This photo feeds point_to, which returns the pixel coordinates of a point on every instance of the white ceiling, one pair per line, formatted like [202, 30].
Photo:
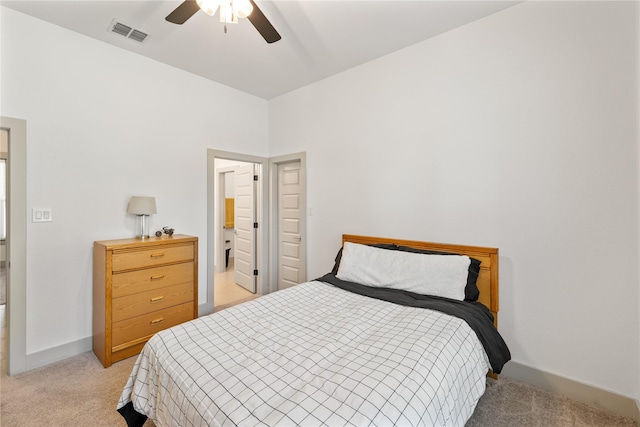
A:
[319, 37]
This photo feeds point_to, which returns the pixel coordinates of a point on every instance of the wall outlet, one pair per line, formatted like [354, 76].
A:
[42, 215]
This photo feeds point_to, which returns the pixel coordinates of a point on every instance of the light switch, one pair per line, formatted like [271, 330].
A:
[42, 215]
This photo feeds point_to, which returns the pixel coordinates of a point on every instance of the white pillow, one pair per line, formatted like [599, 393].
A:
[426, 274]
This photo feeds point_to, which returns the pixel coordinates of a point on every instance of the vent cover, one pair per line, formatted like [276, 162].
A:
[127, 31]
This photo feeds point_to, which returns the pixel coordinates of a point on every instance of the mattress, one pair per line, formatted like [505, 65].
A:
[310, 355]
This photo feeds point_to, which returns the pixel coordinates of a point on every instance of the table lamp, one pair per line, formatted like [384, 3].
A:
[143, 207]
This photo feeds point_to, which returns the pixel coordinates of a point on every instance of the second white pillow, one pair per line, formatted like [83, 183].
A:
[426, 274]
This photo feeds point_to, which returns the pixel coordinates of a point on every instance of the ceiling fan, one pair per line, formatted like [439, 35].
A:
[230, 11]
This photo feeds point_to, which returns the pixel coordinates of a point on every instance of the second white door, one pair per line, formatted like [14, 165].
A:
[245, 232]
[291, 266]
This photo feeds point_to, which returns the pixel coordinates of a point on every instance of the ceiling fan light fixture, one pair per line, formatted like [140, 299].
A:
[227, 14]
[208, 6]
[230, 11]
[242, 8]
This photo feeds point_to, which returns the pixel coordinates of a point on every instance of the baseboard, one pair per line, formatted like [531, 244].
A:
[55, 354]
[594, 396]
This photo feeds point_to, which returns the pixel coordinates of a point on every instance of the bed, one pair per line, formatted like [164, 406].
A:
[362, 345]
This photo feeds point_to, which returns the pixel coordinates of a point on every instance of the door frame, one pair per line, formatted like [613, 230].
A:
[16, 245]
[215, 248]
[274, 243]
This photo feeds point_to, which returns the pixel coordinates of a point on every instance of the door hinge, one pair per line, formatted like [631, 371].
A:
[255, 177]
[255, 225]
[255, 272]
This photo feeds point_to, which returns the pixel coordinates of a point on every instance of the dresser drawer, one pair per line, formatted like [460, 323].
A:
[133, 282]
[153, 300]
[142, 327]
[128, 260]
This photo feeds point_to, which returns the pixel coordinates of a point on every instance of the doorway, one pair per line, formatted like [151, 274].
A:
[267, 240]
[236, 211]
[221, 167]
[14, 331]
[4, 151]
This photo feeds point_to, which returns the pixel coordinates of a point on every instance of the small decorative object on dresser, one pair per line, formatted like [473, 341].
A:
[166, 230]
[141, 287]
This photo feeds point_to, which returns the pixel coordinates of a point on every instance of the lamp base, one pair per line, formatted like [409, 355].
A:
[144, 232]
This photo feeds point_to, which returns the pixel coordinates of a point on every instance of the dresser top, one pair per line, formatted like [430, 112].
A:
[151, 241]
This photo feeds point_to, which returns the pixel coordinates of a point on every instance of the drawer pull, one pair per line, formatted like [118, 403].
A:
[158, 277]
[157, 255]
[156, 299]
[157, 321]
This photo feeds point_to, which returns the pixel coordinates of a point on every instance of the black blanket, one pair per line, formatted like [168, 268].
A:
[475, 314]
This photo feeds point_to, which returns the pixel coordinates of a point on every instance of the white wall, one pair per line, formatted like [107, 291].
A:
[517, 131]
[104, 124]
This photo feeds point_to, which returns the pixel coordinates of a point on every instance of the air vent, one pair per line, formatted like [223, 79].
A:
[127, 31]
[137, 35]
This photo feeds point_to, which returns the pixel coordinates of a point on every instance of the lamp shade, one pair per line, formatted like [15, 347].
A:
[139, 205]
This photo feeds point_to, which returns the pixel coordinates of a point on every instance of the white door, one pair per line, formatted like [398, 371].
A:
[291, 266]
[245, 233]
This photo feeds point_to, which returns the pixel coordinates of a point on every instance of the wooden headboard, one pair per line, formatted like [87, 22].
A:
[487, 279]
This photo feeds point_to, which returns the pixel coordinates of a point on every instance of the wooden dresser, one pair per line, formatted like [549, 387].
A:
[141, 287]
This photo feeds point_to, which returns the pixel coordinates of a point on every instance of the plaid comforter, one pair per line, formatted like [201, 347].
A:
[310, 355]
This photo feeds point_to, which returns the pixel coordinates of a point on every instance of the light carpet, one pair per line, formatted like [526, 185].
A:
[78, 391]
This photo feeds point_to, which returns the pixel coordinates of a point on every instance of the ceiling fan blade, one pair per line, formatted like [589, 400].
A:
[183, 12]
[263, 25]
